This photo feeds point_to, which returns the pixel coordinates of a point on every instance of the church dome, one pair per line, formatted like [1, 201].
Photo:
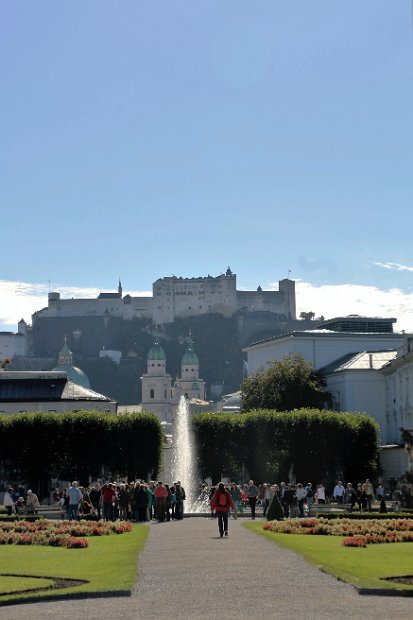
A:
[190, 358]
[156, 352]
[74, 374]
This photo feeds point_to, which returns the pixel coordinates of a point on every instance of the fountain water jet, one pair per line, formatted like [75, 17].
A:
[183, 456]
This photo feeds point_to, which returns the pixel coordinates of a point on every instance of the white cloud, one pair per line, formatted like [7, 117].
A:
[19, 300]
[333, 300]
[394, 266]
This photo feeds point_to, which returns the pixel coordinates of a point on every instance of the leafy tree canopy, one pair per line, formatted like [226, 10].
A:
[289, 383]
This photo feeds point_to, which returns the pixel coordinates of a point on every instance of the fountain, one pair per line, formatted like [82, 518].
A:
[183, 455]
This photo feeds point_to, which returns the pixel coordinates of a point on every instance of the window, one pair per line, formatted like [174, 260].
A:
[152, 394]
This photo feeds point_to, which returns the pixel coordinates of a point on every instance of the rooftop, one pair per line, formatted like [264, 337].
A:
[35, 386]
[364, 360]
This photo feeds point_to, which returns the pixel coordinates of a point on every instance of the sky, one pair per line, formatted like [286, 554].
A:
[143, 139]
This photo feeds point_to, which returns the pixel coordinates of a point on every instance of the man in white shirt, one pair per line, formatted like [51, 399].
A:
[338, 492]
[75, 497]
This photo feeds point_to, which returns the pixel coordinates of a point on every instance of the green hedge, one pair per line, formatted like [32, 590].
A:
[319, 444]
[38, 446]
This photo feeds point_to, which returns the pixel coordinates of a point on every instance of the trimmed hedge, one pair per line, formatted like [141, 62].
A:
[275, 511]
[41, 445]
[319, 444]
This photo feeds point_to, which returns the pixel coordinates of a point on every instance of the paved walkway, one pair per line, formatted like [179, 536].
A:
[187, 572]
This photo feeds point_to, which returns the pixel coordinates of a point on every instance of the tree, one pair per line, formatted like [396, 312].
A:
[307, 316]
[290, 383]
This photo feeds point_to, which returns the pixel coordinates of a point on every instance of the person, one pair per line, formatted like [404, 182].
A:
[369, 491]
[236, 498]
[173, 501]
[281, 493]
[338, 492]
[379, 493]
[141, 498]
[168, 502]
[75, 497]
[86, 509]
[108, 499]
[124, 501]
[8, 501]
[289, 497]
[266, 497]
[309, 497]
[252, 492]
[161, 494]
[221, 504]
[350, 496]
[20, 506]
[95, 496]
[321, 494]
[179, 503]
[64, 505]
[301, 494]
[32, 503]
[361, 497]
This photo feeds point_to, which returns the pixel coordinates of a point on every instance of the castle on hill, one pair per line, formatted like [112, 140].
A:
[174, 298]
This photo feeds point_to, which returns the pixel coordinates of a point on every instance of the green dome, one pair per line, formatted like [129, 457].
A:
[190, 359]
[156, 353]
[74, 374]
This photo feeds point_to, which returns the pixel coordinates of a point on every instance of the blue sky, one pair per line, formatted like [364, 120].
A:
[145, 139]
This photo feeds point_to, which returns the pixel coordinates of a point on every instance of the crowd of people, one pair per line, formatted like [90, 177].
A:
[136, 501]
[297, 500]
[142, 501]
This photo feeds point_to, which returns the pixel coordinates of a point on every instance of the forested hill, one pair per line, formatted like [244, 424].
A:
[218, 342]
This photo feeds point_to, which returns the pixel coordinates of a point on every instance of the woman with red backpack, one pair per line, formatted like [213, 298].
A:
[222, 503]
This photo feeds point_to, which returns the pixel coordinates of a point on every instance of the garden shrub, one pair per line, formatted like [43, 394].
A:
[275, 510]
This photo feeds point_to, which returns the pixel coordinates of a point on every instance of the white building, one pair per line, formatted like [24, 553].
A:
[320, 347]
[12, 344]
[398, 376]
[356, 383]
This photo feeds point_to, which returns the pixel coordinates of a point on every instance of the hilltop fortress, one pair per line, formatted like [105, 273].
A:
[174, 298]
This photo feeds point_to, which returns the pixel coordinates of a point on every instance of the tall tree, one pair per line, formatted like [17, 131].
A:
[289, 383]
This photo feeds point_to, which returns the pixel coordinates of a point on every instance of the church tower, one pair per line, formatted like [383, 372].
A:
[156, 384]
[189, 384]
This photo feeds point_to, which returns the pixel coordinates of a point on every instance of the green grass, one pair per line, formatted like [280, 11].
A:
[363, 568]
[16, 584]
[109, 564]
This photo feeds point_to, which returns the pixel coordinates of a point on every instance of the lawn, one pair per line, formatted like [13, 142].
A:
[362, 567]
[109, 564]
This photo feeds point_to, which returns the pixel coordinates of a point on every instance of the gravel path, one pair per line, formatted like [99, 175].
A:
[188, 572]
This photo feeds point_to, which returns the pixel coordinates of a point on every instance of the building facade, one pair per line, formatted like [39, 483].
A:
[160, 394]
[176, 297]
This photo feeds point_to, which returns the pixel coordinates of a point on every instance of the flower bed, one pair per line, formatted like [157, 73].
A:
[67, 534]
[357, 533]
